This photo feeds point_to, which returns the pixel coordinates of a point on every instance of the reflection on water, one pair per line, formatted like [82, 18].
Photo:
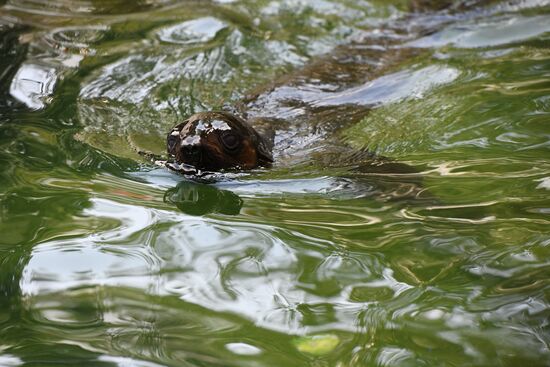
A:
[439, 258]
[199, 199]
[194, 31]
[32, 84]
[496, 32]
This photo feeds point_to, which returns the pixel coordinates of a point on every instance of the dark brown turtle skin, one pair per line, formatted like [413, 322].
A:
[214, 141]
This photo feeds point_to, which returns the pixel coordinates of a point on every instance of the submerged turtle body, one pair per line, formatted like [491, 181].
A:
[215, 141]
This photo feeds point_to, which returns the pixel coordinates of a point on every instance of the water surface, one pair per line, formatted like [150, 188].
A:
[109, 260]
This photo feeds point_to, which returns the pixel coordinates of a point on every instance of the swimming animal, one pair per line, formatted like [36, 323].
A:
[308, 107]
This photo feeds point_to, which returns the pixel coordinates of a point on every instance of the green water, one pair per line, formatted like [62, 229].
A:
[108, 260]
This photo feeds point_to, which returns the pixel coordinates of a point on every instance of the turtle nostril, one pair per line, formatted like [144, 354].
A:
[191, 153]
[191, 149]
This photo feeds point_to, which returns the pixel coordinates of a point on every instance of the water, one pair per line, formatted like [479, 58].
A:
[323, 260]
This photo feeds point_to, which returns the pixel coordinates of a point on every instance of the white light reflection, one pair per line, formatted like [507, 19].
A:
[242, 268]
[32, 84]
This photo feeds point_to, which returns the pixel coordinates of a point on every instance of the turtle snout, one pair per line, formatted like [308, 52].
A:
[190, 154]
[191, 151]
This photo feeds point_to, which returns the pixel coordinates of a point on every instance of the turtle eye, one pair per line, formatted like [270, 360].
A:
[230, 141]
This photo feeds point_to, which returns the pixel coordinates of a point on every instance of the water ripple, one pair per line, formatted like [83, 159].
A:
[439, 258]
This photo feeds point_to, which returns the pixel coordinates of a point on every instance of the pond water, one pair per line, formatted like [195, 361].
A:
[436, 259]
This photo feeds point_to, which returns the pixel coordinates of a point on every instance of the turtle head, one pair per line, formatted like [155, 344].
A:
[214, 141]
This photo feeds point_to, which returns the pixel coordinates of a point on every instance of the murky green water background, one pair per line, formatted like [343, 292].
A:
[107, 260]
